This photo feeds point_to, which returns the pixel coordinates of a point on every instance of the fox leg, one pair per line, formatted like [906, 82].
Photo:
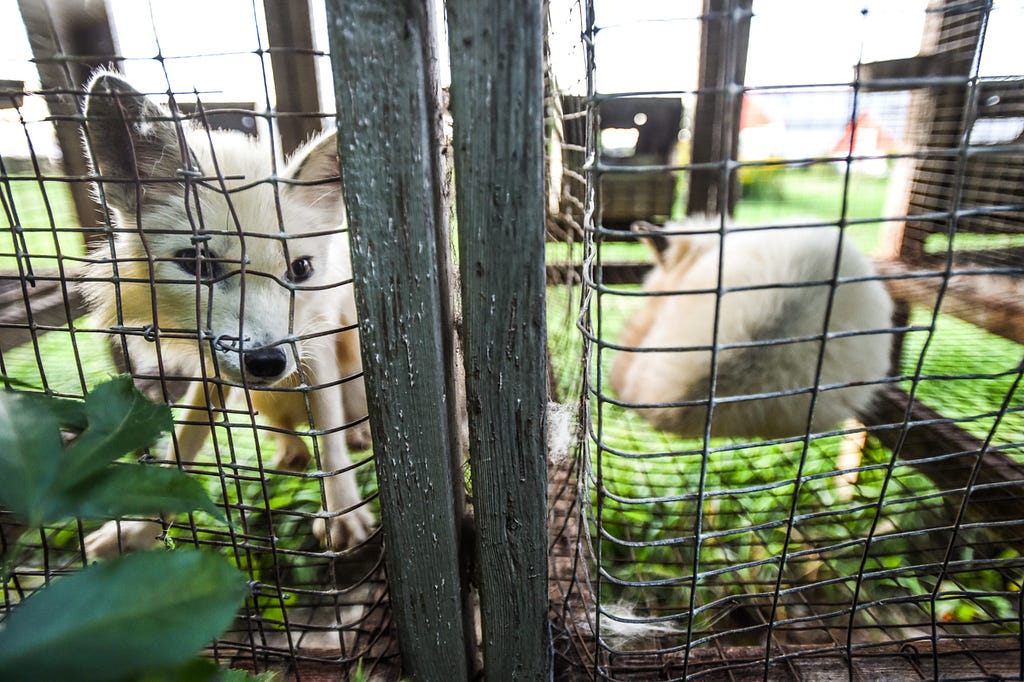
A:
[115, 537]
[353, 390]
[340, 491]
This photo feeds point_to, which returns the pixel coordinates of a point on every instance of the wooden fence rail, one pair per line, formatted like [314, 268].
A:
[385, 76]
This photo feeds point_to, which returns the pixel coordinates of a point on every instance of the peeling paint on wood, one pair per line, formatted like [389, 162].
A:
[385, 75]
[497, 109]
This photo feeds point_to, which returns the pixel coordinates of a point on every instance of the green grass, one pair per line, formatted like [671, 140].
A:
[967, 241]
[966, 375]
[29, 218]
[816, 193]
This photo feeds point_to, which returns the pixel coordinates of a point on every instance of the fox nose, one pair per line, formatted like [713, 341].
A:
[265, 362]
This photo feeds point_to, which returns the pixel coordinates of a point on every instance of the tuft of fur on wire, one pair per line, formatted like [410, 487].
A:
[561, 431]
[623, 629]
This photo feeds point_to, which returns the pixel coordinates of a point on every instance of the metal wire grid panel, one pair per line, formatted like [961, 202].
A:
[882, 546]
[310, 602]
[914, 552]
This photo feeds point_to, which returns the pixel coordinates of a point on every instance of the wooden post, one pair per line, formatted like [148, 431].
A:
[936, 121]
[385, 79]
[497, 107]
[724, 36]
[294, 65]
[68, 45]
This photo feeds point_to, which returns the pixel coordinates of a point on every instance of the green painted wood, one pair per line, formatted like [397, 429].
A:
[497, 107]
[385, 76]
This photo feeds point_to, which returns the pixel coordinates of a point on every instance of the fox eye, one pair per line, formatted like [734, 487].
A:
[196, 260]
[300, 270]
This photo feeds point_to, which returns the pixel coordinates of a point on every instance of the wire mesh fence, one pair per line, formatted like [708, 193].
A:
[214, 269]
[874, 534]
[783, 311]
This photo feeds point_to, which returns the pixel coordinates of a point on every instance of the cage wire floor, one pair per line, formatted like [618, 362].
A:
[857, 528]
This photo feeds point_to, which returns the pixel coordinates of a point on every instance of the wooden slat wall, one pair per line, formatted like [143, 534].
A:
[940, 118]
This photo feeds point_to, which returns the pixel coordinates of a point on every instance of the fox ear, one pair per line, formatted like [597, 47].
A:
[130, 139]
[656, 242]
[316, 172]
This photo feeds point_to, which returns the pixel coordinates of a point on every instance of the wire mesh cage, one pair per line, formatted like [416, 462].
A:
[801, 385]
[169, 222]
[782, 317]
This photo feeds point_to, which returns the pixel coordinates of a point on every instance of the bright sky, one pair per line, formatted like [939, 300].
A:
[643, 45]
[654, 44]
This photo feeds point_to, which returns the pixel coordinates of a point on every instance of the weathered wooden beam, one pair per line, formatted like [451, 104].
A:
[497, 97]
[294, 64]
[992, 302]
[724, 37]
[386, 86]
[68, 44]
[946, 453]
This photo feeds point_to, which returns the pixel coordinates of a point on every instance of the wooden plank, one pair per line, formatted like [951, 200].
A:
[930, 436]
[725, 34]
[295, 82]
[385, 79]
[910, 72]
[959, 659]
[992, 302]
[498, 109]
[68, 45]
[48, 305]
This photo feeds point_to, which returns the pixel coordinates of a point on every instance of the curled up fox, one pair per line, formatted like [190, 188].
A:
[780, 329]
[237, 272]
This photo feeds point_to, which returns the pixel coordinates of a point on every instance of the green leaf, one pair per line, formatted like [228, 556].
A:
[44, 482]
[30, 457]
[120, 420]
[121, 618]
[70, 414]
[128, 489]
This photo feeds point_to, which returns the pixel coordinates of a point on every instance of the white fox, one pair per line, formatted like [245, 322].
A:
[241, 278]
[681, 314]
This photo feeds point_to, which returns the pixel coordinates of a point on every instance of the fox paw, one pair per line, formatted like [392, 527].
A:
[114, 538]
[347, 530]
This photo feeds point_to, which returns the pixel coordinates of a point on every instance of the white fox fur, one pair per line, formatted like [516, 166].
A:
[261, 304]
[753, 258]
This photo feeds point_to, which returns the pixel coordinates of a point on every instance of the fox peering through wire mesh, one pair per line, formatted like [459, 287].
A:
[230, 294]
